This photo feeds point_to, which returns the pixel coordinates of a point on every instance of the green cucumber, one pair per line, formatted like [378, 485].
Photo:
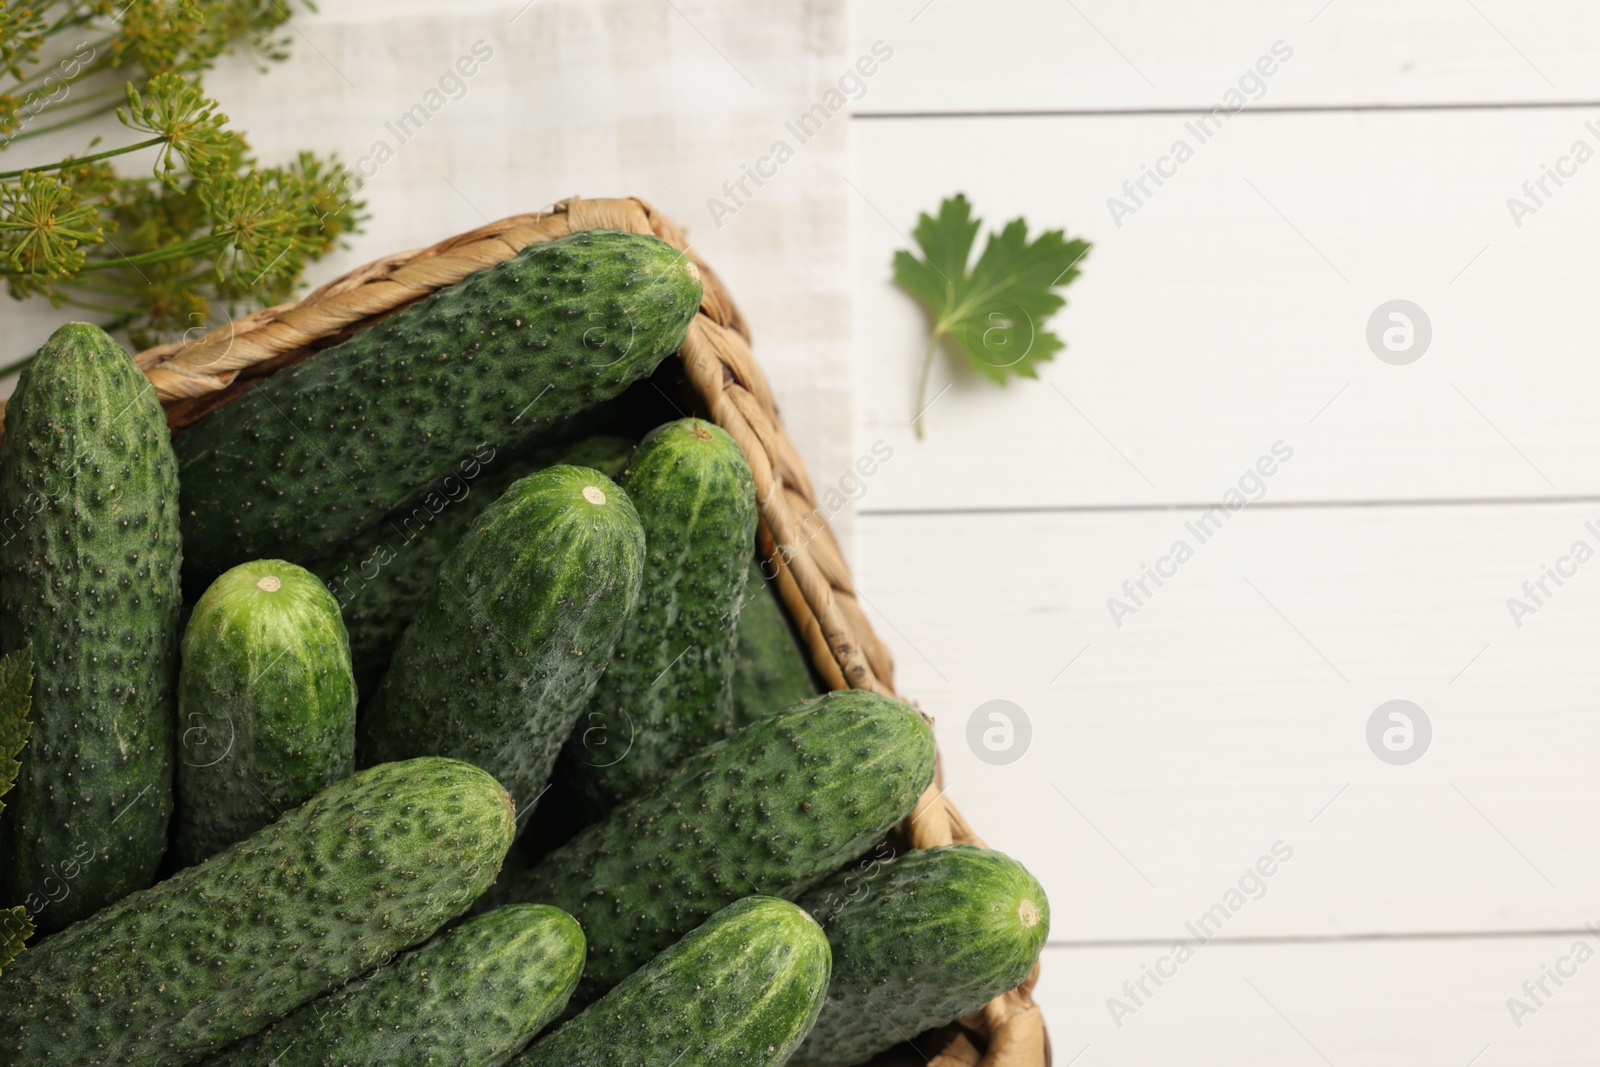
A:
[774, 809]
[505, 651]
[89, 571]
[371, 865]
[382, 576]
[770, 670]
[668, 692]
[918, 941]
[324, 449]
[471, 997]
[741, 990]
[266, 704]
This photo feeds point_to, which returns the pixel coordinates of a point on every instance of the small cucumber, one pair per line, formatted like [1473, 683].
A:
[504, 653]
[741, 990]
[668, 691]
[266, 704]
[471, 997]
[311, 456]
[918, 941]
[774, 809]
[371, 865]
[770, 670]
[382, 576]
[89, 567]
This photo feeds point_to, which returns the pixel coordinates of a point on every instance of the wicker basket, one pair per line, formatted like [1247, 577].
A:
[196, 375]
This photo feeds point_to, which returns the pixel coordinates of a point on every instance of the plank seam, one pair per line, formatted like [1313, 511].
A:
[1332, 939]
[1263, 109]
[1263, 505]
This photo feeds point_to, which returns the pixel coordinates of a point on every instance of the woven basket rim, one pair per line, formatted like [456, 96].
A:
[193, 376]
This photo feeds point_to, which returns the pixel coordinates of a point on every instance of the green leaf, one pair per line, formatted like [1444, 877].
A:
[16, 684]
[15, 929]
[16, 700]
[996, 310]
[946, 244]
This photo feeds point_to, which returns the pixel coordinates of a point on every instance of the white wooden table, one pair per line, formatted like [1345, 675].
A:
[1225, 316]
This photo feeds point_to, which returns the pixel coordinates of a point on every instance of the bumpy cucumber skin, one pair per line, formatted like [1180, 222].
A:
[770, 666]
[323, 450]
[371, 865]
[471, 997]
[668, 692]
[382, 576]
[741, 990]
[774, 809]
[89, 571]
[505, 651]
[926, 938]
[266, 704]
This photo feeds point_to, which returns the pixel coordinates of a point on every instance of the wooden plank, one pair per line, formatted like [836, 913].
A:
[1230, 710]
[1231, 311]
[957, 55]
[1360, 1004]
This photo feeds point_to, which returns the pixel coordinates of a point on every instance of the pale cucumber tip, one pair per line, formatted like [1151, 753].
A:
[594, 495]
[1028, 913]
[269, 583]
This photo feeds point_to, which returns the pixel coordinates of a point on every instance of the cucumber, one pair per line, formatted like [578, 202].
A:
[741, 990]
[504, 652]
[266, 704]
[668, 692]
[770, 669]
[89, 569]
[382, 576]
[774, 809]
[471, 997]
[324, 449]
[918, 941]
[371, 865]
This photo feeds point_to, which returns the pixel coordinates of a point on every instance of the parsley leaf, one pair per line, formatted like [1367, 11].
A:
[16, 683]
[15, 929]
[996, 311]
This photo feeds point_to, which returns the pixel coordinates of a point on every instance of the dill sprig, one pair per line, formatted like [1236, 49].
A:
[207, 227]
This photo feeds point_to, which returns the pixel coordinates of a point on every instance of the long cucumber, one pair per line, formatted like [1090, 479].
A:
[668, 691]
[318, 452]
[89, 570]
[471, 997]
[741, 990]
[918, 941]
[370, 866]
[772, 810]
[505, 651]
